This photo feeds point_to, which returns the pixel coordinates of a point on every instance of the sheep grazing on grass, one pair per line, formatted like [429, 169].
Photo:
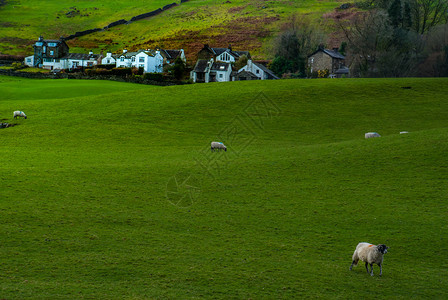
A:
[369, 135]
[19, 113]
[370, 254]
[403, 132]
[218, 145]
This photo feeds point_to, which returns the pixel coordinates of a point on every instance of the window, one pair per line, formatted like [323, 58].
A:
[108, 61]
[257, 71]
[221, 75]
[57, 60]
[51, 52]
[28, 60]
[141, 59]
[122, 58]
[44, 49]
[133, 58]
[48, 60]
[52, 44]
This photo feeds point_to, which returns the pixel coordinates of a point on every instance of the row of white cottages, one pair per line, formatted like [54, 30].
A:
[54, 55]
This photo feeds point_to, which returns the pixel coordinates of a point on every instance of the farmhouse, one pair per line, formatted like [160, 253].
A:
[211, 71]
[331, 60]
[54, 55]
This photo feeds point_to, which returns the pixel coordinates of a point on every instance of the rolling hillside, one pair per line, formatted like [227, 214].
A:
[110, 191]
[244, 24]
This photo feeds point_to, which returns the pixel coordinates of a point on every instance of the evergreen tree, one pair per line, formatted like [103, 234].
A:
[395, 14]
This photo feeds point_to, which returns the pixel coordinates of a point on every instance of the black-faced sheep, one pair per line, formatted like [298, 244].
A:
[370, 254]
[19, 113]
[218, 145]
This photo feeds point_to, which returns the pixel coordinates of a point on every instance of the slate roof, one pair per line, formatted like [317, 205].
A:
[201, 66]
[271, 74]
[127, 54]
[247, 74]
[331, 53]
[334, 54]
[342, 70]
[171, 54]
[81, 56]
[220, 66]
[218, 51]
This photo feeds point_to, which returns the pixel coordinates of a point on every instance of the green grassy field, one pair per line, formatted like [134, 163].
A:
[247, 25]
[109, 190]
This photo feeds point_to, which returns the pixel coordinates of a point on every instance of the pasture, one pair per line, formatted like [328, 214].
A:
[110, 191]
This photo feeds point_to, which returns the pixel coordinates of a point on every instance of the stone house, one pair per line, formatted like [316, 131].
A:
[325, 59]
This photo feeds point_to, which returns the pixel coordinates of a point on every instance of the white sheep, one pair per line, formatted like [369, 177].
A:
[370, 254]
[403, 132]
[218, 145]
[19, 113]
[369, 135]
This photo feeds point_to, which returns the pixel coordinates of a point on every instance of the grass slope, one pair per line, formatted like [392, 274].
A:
[244, 24]
[89, 204]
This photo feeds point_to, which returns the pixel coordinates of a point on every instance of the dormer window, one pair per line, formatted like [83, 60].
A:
[133, 58]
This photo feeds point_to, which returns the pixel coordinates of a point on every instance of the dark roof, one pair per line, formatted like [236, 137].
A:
[271, 74]
[334, 54]
[331, 53]
[81, 56]
[127, 54]
[220, 66]
[201, 65]
[342, 70]
[247, 74]
[171, 54]
[218, 51]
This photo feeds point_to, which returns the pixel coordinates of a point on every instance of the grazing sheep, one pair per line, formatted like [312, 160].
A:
[370, 254]
[369, 135]
[218, 145]
[403, 132]
[19, 113]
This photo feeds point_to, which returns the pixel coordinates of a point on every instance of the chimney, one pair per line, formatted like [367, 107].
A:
[90, 52]
[335, 49]
[230, 47]
[125, 50]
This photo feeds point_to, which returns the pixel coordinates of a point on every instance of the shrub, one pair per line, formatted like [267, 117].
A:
[153, 76]
[121, 71]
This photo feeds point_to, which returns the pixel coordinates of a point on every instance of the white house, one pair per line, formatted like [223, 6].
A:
[69, 61]
[109, 59]
[211, 71]
[256, 69]
[151, 62]
[126, 59]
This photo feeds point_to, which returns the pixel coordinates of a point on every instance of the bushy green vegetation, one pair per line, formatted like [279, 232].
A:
[89, 205]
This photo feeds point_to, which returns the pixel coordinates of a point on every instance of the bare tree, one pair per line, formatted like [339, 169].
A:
[428, 13]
